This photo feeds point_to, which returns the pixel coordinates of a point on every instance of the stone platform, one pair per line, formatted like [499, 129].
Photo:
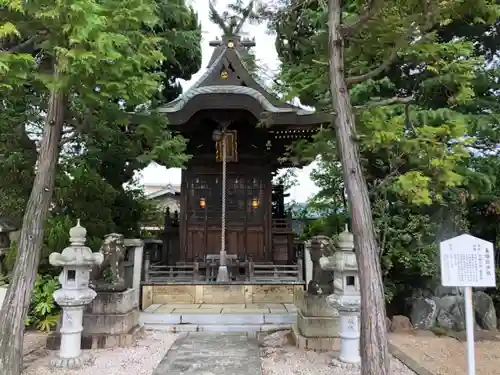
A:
[210, 293]
[318, 324]
[210, 354]
[110, 320]
[202, 317]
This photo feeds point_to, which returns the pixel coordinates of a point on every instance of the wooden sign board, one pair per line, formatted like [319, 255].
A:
[231, 147]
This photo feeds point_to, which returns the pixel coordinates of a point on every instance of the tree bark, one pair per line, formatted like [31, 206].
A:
[373, 346]
[17, 300]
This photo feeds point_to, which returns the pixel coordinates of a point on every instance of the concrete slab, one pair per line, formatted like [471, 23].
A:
[174, 328]
[211, 354]
[279, 311]
[291, 307]
[228, 319]
[231, 328]
[222, 306]
[280, 318]
[198, 311]
[153, 308]
[245, 311]
[164, 309]
[271, 306]
[151, 318]
[181, 305]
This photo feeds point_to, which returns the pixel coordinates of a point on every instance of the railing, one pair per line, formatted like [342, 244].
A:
[281, 225]
[187, 272]
[262, 272]
[206, 273]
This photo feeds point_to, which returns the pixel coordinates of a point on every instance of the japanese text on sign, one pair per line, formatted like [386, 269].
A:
[467, 261]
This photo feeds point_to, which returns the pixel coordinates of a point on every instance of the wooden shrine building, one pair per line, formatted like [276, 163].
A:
[258, 127]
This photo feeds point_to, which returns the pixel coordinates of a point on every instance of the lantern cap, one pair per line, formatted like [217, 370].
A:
[77, 234]
[346, 239]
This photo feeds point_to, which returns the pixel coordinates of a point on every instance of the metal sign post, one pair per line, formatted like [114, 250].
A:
[468, 262]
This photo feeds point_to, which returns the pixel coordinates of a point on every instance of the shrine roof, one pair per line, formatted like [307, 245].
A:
[227, 84]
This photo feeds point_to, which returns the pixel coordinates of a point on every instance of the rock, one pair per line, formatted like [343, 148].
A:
[388, 323]
[445, 320]
[401, 323]
[442, 291]
[447, 302]
[423, 313]
[451, 312]
[484, 309]
[458, 314]
[276, 339]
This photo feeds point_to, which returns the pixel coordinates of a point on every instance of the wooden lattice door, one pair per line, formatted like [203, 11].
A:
[244, 216]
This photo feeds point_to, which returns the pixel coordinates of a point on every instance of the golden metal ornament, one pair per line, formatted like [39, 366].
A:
[224, 75]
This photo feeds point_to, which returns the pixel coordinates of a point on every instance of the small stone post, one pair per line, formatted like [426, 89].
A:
[77, 260]
[346, 298]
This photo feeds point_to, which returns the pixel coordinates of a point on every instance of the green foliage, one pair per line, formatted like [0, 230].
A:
[43, 312]
[115, 61]
[417, 120]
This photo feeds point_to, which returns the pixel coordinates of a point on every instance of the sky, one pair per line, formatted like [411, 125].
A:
[267, 59]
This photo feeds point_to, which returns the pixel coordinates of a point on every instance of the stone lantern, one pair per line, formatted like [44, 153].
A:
[77, 261]
[346, 297]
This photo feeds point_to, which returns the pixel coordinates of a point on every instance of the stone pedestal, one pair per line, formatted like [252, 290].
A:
[349, 334]
[111, 320]
[317, 325]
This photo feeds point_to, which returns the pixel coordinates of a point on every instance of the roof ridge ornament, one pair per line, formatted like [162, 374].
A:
[231, 25]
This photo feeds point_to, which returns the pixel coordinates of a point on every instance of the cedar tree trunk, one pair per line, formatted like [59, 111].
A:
[374, 349]
[17, 300]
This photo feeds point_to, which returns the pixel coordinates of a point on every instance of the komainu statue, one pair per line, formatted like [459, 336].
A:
[110, 275]
[319, 246]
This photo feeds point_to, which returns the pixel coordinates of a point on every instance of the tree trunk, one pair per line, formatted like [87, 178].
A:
[17, 300]
[374, 349]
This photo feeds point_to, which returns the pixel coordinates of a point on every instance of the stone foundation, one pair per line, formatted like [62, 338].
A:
[317, 325]
[319, 344]
[96, 341]
[111, 320]
[219, 294]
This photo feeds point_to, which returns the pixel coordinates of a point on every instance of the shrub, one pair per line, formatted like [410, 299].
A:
[43, 312]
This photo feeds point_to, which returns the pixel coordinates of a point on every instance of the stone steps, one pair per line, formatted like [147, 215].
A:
[200, 321]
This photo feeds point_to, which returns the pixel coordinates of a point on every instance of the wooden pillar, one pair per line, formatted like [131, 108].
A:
[175, 226]
[183, 230]
[268, 201]
[167, 225]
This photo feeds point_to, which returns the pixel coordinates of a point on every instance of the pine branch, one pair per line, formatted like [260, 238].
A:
[384, 102]
[366, 15]
[379, 69]
[422, 28]
[21, 47]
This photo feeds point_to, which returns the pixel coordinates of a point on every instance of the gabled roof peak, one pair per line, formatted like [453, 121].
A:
[233, 41]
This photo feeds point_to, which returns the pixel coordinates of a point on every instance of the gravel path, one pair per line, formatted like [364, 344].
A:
[445, 355]
[140, 359]
[279, 357]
